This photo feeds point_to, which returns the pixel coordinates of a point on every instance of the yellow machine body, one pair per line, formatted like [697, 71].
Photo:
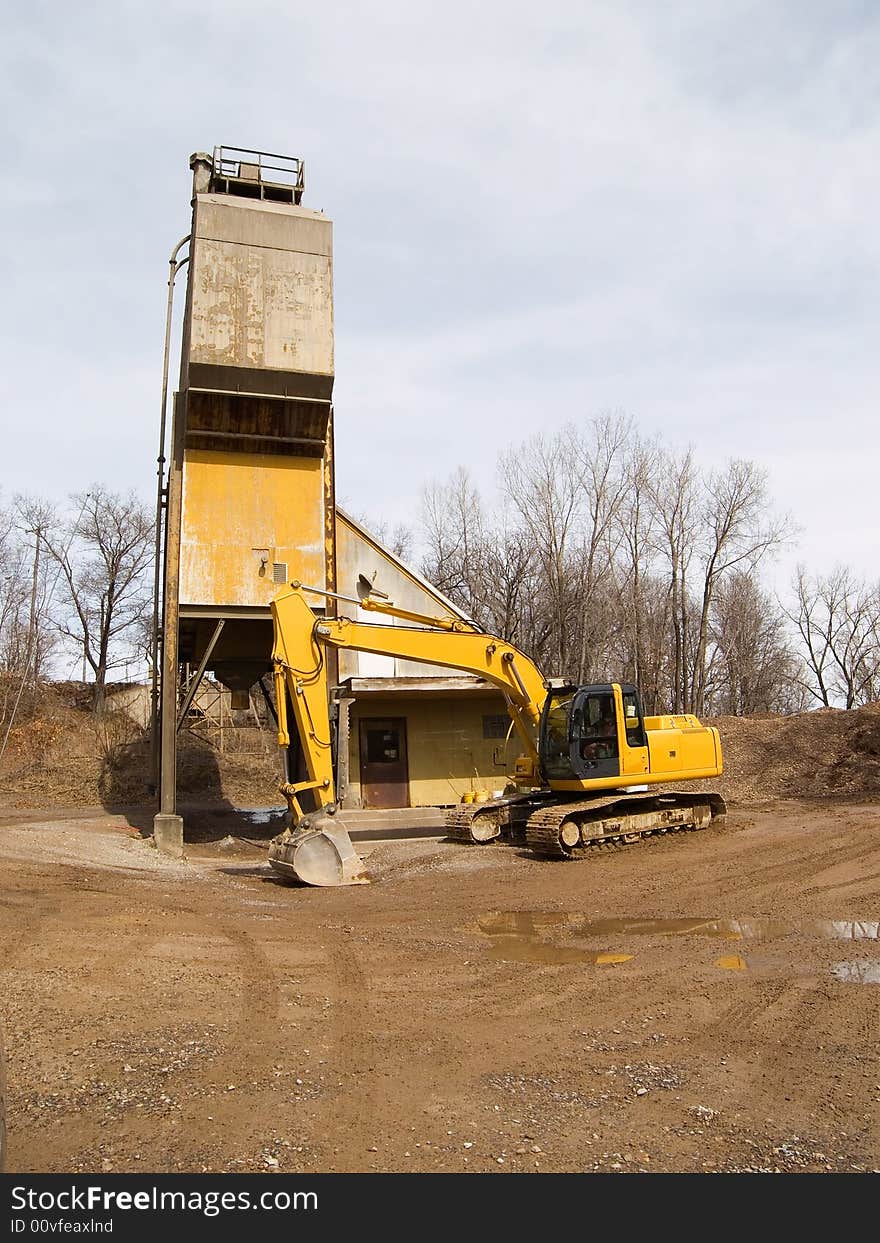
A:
[676, 748]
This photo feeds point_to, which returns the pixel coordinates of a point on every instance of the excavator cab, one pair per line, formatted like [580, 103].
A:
[590, 733]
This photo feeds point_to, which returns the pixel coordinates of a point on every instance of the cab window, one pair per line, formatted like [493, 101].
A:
[556, 753]
[597, 728]
[633, 724]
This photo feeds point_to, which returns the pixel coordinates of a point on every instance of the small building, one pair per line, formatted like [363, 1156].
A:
[410, 736]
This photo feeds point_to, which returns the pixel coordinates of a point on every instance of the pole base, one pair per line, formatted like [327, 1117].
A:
[168, 834]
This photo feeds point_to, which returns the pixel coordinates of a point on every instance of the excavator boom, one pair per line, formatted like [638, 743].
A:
[316, 848]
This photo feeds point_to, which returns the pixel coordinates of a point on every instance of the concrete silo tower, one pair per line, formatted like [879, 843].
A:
[249, 503]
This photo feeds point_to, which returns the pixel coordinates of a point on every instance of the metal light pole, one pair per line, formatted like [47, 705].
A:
[175, 266]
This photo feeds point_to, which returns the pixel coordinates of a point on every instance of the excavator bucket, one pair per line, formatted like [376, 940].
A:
[319, 852]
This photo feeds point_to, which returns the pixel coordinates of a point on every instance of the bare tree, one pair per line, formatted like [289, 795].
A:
[454, 526]
[752, 667]
[104, 557]
[485, 566]
[26, 637]
[675, 497]
[544, 480]
[398, 539]
[13, 591]
[737, 532]
[13, 617]
[513, 605]
[635, 518]
[607, 457]
[610, 556]
[814, 628]
[837, 619]
[656, 678]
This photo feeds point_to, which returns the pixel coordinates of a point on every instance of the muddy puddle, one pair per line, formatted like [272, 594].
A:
[534, 937]
[261, 816]
[752, 928]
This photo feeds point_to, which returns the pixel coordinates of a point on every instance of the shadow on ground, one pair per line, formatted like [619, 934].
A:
[208, 816]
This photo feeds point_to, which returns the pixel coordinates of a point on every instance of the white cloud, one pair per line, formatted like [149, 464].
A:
[540, 212]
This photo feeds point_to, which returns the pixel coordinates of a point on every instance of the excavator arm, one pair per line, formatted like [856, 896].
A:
[317, 848]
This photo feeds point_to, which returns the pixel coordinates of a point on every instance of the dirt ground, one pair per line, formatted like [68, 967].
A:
[703, 1002]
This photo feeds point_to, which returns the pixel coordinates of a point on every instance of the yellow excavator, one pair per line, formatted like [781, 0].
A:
[584, 779]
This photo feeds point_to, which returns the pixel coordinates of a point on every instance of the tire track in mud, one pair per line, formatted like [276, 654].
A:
[776, 1064]
[786, 1014]
[512, 998]
[535, 993]
[250, 1041]
[508, 990]
[353, 1112]
[743, 1030]
[863, 879]
[256, 1040]
[736, 1019]
[508, 996]
[30, 914]
[477, 1015]
[252, 1026]
[807, 874]
[254, 1034]
[789, 870]
[777, 1018]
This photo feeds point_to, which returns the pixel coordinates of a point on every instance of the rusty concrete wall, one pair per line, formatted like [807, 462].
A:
[263, 286]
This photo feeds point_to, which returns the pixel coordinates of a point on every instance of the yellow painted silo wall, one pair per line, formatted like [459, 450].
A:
[235, 504]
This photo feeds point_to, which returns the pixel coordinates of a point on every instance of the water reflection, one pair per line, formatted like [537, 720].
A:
[540, 923]
[532, 936]
[857, 972]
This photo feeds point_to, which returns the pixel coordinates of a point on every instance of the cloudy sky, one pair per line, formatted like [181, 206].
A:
[542, 212]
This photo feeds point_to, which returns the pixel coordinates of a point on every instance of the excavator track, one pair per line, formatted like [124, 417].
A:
[482, 823]
[568, 830]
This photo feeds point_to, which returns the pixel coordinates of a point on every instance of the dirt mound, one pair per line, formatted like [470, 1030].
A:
[811, 754]
[64, 757]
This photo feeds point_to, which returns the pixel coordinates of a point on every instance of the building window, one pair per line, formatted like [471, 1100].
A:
[496, 726]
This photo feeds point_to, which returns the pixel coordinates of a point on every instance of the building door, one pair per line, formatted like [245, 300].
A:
[384, 775]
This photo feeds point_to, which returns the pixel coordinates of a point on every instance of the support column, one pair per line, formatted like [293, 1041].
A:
[167, 824]
[343, 731]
